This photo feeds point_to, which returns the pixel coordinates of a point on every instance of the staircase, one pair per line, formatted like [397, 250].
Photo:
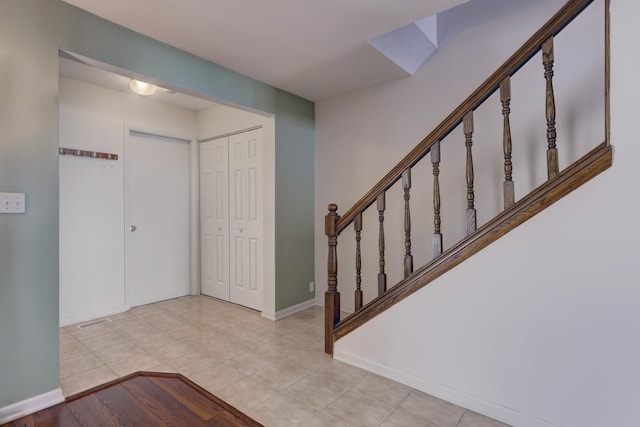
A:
[558, 184]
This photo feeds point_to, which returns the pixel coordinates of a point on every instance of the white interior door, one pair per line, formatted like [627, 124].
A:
[231, 218]
[214, 217]
[245, 218]
[156, 217]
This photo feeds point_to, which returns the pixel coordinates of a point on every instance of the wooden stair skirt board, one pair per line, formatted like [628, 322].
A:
[142, 398]
[589, 166]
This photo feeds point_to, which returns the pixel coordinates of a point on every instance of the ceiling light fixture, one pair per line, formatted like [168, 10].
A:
[142, 88]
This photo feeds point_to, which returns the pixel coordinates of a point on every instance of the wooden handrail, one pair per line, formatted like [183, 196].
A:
[559, 183]
[559, 21]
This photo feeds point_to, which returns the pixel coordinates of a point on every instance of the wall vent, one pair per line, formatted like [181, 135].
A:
[93, 323]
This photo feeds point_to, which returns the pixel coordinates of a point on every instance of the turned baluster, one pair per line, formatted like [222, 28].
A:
[508, 185]
[552, 151]
[382, 277]
[357, 225]
[467, 124]
[332, 296]
[408, 258]
[437, 236]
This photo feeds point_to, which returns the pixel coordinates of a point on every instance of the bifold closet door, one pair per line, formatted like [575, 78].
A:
[245, 218]
[214, 218]
[231, 218]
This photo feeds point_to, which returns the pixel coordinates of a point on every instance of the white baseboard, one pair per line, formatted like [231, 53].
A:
[85, 317]
[289, 310]
[31, 405]
[460, 398]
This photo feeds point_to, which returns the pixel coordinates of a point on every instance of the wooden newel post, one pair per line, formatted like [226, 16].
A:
[332, 296]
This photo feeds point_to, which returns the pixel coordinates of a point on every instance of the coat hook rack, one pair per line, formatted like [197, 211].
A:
[85, 153]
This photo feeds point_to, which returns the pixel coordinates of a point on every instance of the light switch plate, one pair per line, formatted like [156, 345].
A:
[12, 203]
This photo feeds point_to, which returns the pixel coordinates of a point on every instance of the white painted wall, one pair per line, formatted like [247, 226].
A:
[361, 135]
[92, 191]
[537, 329]
[220, 120]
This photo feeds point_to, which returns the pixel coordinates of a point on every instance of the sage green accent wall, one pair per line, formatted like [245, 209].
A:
[28, 164]
[31, 31]
[294, 206]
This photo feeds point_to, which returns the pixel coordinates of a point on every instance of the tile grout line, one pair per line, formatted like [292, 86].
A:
[461, 417]
[292, 342]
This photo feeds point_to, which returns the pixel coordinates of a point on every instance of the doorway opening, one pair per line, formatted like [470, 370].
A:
[107, 264]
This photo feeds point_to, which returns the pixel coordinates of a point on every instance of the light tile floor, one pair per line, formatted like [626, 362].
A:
[276, 372]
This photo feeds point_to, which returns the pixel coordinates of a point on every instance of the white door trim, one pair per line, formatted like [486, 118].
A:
[224, 135]
[194, 217]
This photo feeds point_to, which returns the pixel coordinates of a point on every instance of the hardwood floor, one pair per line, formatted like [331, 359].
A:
[141, 399]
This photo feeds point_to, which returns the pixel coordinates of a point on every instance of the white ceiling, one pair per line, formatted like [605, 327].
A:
[312, 48]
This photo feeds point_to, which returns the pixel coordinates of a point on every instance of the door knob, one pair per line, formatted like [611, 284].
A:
[133, 228]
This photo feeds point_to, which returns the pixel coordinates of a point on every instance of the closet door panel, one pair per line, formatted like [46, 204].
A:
[246, 218]
[214, 218]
